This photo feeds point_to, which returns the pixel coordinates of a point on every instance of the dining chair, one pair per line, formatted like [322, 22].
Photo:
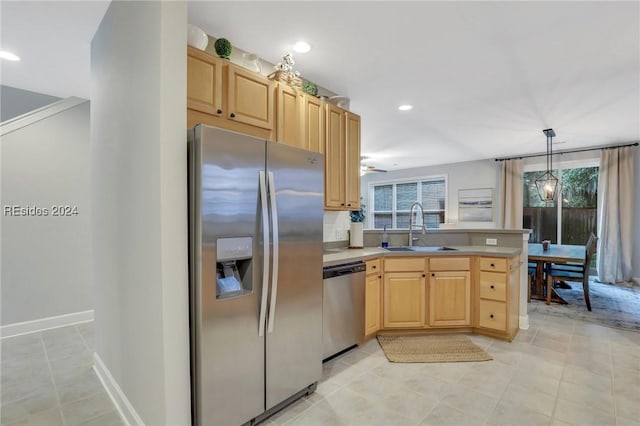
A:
[575, 272]
[531, 276]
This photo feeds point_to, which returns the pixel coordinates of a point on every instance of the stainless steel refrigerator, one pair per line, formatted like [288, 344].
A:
[256, 214]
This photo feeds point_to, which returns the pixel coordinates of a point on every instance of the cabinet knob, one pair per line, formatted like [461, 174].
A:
[423, 275]
[219, 111]
[492, 286]
[232, 115]
[348, 205]
[342, 204]
[433, 275]
[373, 267]
[492, 265]
[379, 276]
[491, 316]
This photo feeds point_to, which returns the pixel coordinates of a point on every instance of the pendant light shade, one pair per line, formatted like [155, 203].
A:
[547, 184]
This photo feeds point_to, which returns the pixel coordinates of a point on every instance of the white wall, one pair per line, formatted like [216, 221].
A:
[15, 102]
[46, 259]
[471, 174]
[636, 210]
[138, 158]
[336, 226]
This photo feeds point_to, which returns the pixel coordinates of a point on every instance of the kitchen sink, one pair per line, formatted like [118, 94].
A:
[426, 249]
[398, 248]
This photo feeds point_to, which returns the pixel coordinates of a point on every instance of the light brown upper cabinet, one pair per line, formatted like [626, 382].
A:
[314, 119]
[228, 96]
[335, 160]
[342, 159]
[250, 98]
[353, 161]
[289, 120]
[204, 83]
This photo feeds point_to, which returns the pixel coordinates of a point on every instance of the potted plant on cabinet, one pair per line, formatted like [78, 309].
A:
[357, 227]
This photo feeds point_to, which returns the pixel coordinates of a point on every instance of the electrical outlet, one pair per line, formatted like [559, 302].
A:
[492, 242]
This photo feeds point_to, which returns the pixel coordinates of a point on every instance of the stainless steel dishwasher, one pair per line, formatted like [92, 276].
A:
[342, 307]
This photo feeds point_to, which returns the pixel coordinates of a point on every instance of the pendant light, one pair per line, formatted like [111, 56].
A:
[547, 184]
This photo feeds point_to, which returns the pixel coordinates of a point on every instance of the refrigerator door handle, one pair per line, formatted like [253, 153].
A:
[265, 255]
[276, 251]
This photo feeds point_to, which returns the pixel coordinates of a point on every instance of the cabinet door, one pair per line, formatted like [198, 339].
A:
[404, 299]
[334, 159]
[288, 118]
[372, 305]
[204, 83]
[250, 98]
[313, 114]
[352, 172]
[450, 298]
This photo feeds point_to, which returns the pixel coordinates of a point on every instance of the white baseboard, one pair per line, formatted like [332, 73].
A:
[524, 322]
[120, 400]
[26, 327]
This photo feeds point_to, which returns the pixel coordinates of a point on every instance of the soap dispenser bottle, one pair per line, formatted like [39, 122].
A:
[385, 241]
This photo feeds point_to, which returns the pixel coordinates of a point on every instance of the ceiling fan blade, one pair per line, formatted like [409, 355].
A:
[373, 169]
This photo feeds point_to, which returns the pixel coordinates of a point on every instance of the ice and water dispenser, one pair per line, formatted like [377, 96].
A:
[233, 267]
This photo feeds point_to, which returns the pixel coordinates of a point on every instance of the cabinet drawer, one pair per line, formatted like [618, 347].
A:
[493, 285]
[374, 266]
[493, 315]
[404, 264]
[493, 264]
[449, 264]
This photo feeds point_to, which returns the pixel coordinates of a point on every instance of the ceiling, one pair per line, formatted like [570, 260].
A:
[485, 78]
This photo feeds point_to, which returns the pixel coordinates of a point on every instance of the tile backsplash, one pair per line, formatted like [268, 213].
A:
[336, 226]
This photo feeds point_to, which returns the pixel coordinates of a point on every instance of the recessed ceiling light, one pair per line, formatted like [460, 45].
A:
[405, 107]
[301, 47]
[8, 56]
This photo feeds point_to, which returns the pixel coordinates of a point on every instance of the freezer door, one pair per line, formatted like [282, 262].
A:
[227, 351]
[294, 342]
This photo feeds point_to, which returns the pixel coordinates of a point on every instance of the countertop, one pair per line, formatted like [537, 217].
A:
[346, 255]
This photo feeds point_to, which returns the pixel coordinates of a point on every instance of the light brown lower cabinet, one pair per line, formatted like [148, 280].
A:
[372, 304]
[479, 294]
[499, 296]
[450, 298]
[404, 299]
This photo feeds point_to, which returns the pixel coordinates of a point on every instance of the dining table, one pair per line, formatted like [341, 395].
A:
[556, 253]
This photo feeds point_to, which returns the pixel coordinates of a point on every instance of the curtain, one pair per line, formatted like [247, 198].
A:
[615, 212]
[511, 185]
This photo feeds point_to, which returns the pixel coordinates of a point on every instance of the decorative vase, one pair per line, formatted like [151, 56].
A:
[196, 37]
[252, 62]
[356, 235]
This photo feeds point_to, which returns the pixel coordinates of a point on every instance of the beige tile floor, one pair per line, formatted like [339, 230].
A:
[559, 372]
[47, 380]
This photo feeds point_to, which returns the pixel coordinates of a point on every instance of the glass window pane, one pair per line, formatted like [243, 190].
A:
[579, 204]
[383, 198]
[406, 194]
[382, 219]
[433, 195]
[433, 220]
[402, 220]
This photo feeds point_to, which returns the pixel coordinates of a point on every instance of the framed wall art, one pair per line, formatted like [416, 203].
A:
[475, 205]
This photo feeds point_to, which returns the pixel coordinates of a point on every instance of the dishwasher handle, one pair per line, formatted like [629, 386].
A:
[340, 270]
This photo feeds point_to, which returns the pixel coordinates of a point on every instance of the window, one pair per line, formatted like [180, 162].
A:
[570, 221]
[392, 201]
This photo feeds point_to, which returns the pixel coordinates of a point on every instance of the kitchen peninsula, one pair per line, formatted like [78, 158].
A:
[472, 288]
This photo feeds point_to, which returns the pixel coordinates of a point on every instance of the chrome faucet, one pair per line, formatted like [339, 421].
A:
[411, 225]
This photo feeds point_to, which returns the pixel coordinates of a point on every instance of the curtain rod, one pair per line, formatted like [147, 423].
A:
[568, 151]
